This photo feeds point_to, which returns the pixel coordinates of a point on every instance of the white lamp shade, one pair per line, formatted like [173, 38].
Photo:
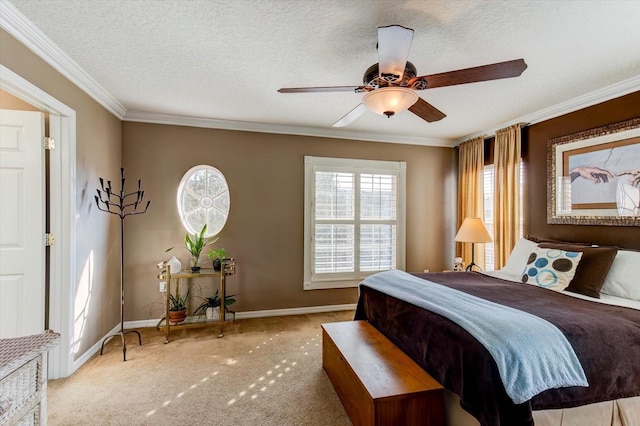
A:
[473, 231]
[390, 100]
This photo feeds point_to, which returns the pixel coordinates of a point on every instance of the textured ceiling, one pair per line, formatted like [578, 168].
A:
[225, 60]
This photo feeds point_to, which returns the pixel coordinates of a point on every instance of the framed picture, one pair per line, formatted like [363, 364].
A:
[593, 177]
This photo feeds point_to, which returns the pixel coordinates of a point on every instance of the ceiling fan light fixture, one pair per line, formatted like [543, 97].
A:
[390, 100]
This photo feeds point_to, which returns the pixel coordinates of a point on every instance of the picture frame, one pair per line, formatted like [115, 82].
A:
[593, 177]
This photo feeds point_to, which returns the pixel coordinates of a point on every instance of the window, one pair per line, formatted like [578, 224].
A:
[203, 197]
[354, 220]
[489, 189]
[489, 248]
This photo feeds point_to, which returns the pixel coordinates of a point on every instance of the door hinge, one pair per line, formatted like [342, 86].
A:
[49, 239]
[49, 143]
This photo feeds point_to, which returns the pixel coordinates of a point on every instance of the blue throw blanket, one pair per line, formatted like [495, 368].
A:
[532, 355]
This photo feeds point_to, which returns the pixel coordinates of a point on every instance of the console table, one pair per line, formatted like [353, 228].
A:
[173, 284]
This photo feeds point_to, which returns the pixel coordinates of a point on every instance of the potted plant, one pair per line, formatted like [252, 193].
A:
[178, 307]
[211, 304]
[195, 244]
[217, 257]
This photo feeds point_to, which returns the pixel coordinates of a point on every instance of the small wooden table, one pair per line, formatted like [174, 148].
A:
[377, 383]
[228, 268]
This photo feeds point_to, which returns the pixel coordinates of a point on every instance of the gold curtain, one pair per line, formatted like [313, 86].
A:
[470, 193]
[506, 211]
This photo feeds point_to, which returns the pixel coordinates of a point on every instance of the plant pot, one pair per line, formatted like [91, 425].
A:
[176, 317]
[213, 314]
[195, 264]
[217, 265]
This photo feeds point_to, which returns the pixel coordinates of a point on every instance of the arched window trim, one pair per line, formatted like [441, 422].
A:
[213, 206]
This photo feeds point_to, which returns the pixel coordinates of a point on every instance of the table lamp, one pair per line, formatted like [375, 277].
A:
[473, 231]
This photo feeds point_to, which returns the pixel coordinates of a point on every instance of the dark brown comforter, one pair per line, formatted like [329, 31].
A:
[605, 338]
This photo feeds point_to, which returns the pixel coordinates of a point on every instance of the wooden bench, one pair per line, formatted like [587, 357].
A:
[377, 383]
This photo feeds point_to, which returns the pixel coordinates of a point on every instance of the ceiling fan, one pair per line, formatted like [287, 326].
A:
[390, 85]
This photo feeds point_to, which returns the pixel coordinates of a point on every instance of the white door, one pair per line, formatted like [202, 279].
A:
[22, 223]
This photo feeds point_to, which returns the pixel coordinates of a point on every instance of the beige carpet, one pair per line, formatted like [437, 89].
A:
[265, 371]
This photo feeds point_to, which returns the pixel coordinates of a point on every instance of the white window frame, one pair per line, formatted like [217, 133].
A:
[182, 188]
[313, 281]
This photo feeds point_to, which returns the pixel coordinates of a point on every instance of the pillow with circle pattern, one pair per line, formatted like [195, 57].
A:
[551, 268]
[592, 269]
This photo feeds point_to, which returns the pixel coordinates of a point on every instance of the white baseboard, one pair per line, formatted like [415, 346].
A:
[295, 311]
[77, 363]
[260, 314]
[239, 315]
[141, 323]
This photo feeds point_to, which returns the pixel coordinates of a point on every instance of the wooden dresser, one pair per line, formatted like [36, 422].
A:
[23, 379]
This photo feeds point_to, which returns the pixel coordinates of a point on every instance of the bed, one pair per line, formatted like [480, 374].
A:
[595, 306]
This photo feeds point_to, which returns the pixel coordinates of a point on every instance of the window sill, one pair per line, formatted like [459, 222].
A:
[329, 284]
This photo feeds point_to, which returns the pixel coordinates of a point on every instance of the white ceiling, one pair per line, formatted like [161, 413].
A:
[223, 61]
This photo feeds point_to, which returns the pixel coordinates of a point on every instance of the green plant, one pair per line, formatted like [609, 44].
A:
[218, 257]
[178, 302]
[214, 302]
[220, 253]
[195, 244]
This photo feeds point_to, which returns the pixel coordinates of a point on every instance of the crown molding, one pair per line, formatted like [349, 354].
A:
[593, 98]
[245, 126]
[16, 24]
[23, 30]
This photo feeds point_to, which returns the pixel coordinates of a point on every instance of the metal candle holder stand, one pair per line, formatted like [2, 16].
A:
[117, 204]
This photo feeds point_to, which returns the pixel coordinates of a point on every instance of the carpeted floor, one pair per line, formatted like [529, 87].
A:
[265, 371]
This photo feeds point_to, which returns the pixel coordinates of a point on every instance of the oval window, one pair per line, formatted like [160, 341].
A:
[203, 197]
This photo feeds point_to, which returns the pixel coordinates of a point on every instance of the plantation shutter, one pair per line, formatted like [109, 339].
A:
[352, 220]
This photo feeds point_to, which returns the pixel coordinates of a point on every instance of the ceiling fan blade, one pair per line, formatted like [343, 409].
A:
[472, 75]
[426, 111]
[351, 116]
[356, 89]
[394, 43]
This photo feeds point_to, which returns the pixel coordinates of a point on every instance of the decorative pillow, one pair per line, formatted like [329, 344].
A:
[551, 268]
[519, 257]
[622, 279]
[593, 267]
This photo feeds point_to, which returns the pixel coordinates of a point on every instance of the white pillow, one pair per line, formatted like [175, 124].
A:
[518, 258]
[551, 268]
[623, 278]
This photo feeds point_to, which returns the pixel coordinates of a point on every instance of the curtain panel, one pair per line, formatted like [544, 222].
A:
[470, 193]
[506, 209]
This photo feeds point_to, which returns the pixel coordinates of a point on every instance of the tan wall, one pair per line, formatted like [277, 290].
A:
[265, 173]
[8, 101]
[98, 141]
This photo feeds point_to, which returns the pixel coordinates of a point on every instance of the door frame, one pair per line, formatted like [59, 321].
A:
[62, 209]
